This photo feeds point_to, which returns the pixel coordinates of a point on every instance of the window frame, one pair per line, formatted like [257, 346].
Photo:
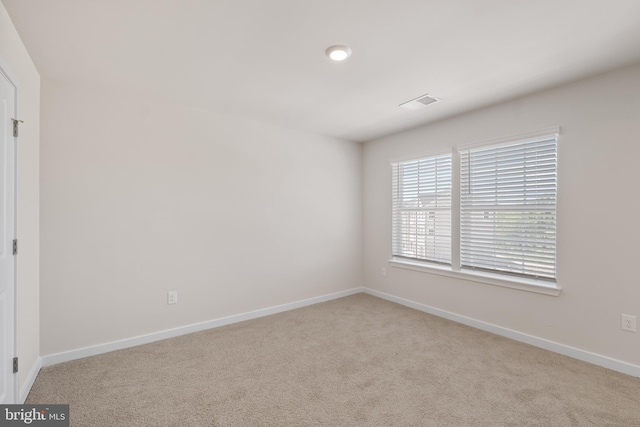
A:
[530, 284]
[398, 193]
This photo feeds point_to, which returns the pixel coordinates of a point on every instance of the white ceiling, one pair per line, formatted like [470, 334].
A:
[264, 59]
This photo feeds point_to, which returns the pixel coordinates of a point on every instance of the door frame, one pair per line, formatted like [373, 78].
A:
[6, 72]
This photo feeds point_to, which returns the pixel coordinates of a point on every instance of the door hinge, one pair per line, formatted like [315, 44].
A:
[15, 246]
[16, 123]
[15, 365]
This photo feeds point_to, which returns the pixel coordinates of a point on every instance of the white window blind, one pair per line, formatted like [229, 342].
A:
[508, 208]
[422, 209]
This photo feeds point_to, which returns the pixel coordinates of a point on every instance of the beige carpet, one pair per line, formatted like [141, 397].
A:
[356, 361]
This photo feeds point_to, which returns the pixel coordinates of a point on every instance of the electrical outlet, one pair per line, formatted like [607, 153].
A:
[383, 272]
[172, 297]
[628, 323]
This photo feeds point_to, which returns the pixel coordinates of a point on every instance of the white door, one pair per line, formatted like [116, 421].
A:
[7, 234]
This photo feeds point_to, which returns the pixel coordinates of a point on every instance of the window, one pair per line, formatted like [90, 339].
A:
[422, 209]
[501, 219]
[508, 208]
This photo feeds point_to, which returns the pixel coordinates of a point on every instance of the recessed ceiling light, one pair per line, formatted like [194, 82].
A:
[338, 52]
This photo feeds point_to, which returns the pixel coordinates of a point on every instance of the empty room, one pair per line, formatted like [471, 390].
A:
[305, 213]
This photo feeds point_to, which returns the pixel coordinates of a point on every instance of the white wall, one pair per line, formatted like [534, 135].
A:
[598, 203]
[140, 198]
[19, 64]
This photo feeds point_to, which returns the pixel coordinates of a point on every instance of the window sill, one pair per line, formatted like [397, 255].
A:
[529, 285]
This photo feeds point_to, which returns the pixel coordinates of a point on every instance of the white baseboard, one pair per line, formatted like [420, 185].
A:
[53, 359]
[31, 378]
[596, 359]
[585, 356]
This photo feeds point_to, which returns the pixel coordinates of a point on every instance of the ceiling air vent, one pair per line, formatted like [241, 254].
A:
[419, 102]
